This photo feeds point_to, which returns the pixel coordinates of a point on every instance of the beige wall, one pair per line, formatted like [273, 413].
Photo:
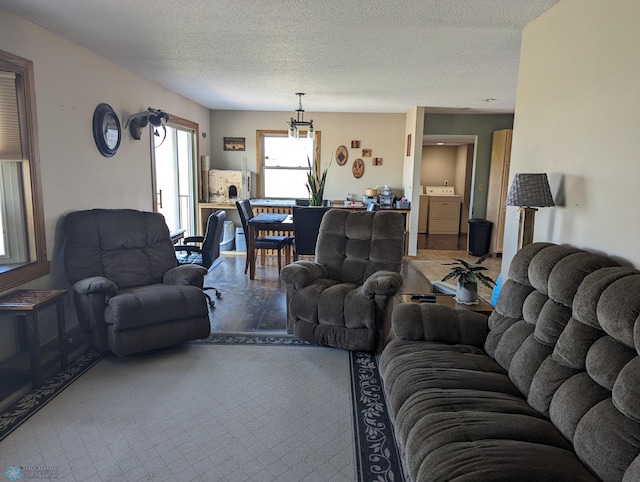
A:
[439, 165]
[577, 119]
[70, 82]
[382, 133]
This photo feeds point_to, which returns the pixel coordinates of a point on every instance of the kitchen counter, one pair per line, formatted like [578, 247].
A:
[283, 206]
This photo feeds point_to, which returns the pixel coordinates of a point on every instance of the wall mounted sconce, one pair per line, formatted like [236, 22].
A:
[529, 192]
[152, 116]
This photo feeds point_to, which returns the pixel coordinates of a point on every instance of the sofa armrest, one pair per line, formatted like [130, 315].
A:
[185, 274]
[302, 273]
[95, 284]
[385, 283]
[439, 323]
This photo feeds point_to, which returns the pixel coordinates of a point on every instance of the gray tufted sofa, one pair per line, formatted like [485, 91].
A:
[339, 300]
[547, 389]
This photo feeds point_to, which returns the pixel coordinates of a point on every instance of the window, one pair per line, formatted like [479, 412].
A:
[23, 251]
[285, 164]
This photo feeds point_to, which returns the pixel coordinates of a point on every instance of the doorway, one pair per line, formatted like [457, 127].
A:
[447, 160]
[173, 175]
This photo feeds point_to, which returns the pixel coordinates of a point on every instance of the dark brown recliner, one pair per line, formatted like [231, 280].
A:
[339, 300]
[129, 293]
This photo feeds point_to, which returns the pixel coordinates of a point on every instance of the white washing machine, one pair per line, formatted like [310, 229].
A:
[443, 210]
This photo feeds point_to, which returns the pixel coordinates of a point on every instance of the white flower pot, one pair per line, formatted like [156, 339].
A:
[466, 294]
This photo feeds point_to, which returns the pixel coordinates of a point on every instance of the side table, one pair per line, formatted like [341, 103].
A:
[26, 304]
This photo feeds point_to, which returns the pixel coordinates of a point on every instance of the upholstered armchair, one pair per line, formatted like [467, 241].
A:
[339, 300]
[129, 293]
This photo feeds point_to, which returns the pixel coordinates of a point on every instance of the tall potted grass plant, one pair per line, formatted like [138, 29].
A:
[316, 182]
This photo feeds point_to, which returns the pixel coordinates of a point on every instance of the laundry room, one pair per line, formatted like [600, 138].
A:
[445, 183]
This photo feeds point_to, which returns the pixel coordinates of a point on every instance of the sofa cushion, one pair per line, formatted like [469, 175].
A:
[414, 367]
[439, 430]
[437, 400]
[354, 245]
[502, 461]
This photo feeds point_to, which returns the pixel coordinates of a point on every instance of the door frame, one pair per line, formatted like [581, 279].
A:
[174, 120]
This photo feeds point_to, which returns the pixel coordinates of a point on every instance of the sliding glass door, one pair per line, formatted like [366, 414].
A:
[173, 172]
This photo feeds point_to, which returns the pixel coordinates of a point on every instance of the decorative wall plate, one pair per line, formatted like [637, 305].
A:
[358, 168]
[342, 155]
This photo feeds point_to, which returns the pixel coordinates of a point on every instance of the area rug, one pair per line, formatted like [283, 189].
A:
[261, 407]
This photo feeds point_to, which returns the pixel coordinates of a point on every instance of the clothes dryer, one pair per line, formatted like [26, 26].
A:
[443, 211]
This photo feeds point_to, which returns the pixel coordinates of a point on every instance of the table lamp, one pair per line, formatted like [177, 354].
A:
[528, 192]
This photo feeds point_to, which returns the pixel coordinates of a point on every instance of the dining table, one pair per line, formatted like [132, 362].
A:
[265, 222]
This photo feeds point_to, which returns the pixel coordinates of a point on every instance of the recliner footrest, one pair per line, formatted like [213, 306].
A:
[152, 304]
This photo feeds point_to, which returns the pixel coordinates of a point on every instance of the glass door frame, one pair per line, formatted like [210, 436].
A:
[183, 124]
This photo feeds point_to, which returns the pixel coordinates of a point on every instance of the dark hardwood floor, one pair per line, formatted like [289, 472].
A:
[442, 241]
[259, 306]
[251, 306]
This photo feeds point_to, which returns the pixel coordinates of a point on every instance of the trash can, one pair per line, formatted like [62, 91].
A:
[241, 243]
[228, 231]
[479, 236]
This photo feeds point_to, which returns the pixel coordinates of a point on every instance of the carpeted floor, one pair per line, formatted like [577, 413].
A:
[231, 407]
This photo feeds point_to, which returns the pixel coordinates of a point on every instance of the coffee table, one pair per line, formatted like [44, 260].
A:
[448, 300]
[416, 282]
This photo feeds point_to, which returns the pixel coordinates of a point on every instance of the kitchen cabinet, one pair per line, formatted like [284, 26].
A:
[498, 187]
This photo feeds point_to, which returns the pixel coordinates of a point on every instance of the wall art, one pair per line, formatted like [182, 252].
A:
[234, 144]
[341, 155]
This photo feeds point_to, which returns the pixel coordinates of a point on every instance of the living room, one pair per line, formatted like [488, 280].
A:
[575, 119]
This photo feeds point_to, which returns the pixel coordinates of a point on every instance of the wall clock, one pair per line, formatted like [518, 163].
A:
[106, 130]
[358, 168]
[342, 155]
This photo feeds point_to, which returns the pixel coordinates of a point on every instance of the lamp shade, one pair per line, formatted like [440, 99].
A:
[530, 190]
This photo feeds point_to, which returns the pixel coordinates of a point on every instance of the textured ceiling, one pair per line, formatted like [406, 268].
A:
[347, 55]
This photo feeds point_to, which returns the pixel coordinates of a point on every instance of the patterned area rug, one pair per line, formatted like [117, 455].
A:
[29, 404]
[376, 454]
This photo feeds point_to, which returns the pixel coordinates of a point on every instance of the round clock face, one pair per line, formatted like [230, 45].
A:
[106, 130]
[358, 168]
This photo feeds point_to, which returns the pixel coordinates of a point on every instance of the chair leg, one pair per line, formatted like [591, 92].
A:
[279, 260]
[263, 256]
[218, 294]
[209, 300]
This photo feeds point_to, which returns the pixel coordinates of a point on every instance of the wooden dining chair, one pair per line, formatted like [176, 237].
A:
[262, 243]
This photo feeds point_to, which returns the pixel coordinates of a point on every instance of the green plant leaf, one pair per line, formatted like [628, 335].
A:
[467, 273]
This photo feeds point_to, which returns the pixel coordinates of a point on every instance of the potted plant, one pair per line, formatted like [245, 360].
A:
[315, 183]
[467, 276]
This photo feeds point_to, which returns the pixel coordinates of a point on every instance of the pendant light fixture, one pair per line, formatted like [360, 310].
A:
[299, 121]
